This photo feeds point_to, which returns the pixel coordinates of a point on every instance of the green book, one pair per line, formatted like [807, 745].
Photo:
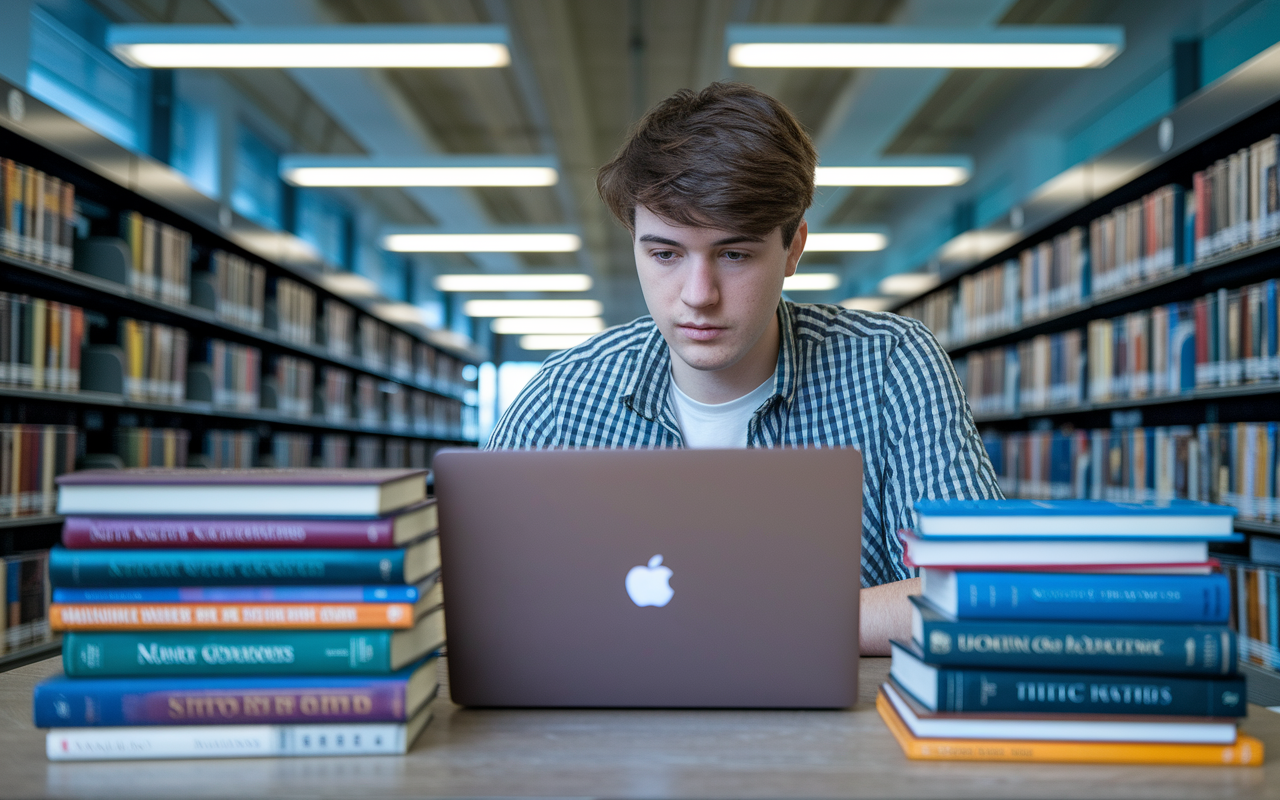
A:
[282, 652]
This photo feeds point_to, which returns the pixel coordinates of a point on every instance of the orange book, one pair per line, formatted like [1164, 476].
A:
[227, 616]
[1247, 751]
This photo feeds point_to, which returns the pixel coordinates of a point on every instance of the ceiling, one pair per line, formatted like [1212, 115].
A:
[583, 71]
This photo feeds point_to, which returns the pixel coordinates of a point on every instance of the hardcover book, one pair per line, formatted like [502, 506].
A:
[980, 689]
[1247, 751]
[92, 654]
[997, 554]
[227, 616]
[1079, 596]
[123, 533]
[275, 492]
[1150, 648]
[1047, 519]
[140, 568]
[234, 741]
[70, 703]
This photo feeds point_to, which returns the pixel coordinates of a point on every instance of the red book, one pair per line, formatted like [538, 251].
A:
[139, 533]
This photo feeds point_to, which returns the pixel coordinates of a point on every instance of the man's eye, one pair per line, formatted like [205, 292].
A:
[664, 255]
[734, 255]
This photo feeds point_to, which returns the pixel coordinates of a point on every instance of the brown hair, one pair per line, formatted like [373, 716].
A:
[730, 157]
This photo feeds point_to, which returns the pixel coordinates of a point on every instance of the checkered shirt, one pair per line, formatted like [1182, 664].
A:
[879, 382]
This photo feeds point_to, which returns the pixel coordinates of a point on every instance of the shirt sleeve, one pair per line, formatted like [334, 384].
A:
[932, 448]
[530, 421]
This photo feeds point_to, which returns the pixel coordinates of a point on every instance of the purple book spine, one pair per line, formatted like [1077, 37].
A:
[90, 533]
[380, 703]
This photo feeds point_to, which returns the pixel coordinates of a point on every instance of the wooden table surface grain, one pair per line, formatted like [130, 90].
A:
[592, 753]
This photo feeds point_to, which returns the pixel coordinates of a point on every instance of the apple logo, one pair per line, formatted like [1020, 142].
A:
[647, 586]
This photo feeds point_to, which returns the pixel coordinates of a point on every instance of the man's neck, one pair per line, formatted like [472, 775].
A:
[735, 380]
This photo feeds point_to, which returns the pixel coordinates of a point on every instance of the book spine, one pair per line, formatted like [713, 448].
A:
[1247, 751]
[1129, 598]
[998, 691]
[226, 653]
[228, 616]
[90, 704]
[242, 594]
[1093, 647]
[224, 741]
[106, 568]
[84, 533]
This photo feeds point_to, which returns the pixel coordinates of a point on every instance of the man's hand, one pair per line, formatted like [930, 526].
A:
[885, 613]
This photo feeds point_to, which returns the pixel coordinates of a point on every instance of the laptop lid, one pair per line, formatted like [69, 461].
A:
[651, 578]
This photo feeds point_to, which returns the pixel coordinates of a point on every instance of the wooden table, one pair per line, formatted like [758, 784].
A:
[619, 754]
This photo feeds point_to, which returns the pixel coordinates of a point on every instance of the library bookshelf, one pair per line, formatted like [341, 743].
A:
[138, 328]
[1124, 346]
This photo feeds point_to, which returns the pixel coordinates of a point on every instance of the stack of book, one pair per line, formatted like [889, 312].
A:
[1068, 631]
[242, 613]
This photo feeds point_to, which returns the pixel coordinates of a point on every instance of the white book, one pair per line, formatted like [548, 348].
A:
[1049, 552]
[233, 741]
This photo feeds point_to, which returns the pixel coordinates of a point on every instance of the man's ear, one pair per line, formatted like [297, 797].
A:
[797, 247]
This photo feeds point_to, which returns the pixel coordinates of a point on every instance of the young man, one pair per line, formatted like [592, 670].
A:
[713, 187]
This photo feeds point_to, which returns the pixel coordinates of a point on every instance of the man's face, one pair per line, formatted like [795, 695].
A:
[713, 293]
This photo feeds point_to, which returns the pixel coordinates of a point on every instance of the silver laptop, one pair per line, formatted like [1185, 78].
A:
[652, 578]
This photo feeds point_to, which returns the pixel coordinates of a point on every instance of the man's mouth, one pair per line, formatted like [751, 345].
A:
[699, 332]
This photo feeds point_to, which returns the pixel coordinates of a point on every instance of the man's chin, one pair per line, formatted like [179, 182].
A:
[706, 358]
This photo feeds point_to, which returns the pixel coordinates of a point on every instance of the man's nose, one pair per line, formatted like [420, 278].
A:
[701, 287]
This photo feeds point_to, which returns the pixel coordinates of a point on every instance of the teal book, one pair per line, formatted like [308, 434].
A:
[145, 568]
[217, 653]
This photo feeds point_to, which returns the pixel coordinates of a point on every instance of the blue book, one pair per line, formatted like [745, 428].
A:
[1058, 519]
[164, 568]
[64, 702]
[1078, 596]
[1147, 647]
[242, 594]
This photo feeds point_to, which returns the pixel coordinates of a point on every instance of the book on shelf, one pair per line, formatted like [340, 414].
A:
[1236, 203]
[1003, 691]
[275, 492]
[374, 340]
[339, 324]
[401, 355]
[998, 554]
[32, 457]
[368, 400]
[337, 395]
[1053, 275]
[295, 306]
[40, 342]
[234, 741]
[24, 585]
[291, 450]
[1149, 648]
[229, 449]
[228, 567]
[968, 594]
[1254, 611]
[37, 215]
[152, 447]
[927, 724]
[155, 361]
[1139, 241]
[160, 258]
[294, 386]
[1039, 519]
[335, 451]
[107, 702]
[236, 372]
[1246, 751]
[239, 288]
[91, 654]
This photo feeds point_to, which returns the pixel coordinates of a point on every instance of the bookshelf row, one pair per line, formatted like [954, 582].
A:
[150, 269]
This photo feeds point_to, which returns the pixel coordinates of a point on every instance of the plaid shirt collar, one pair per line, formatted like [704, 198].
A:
[646, 388]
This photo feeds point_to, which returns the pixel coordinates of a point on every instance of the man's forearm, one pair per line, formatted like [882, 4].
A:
[885, 613]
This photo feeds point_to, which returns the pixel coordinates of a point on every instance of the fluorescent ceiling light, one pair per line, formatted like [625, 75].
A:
[482, 242]
[922, 175]
[869, 303]
[811, 282]
[861, 242]
[563, 325]
[532, 308]
[888, 46]
[908, 283]
[513, 283]
[541, 342]
[442, 171]
[303, 47]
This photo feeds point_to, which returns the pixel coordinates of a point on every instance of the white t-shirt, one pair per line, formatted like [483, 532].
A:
[717, 424]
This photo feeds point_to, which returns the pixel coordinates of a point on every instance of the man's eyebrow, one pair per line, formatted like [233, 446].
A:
[649, 237]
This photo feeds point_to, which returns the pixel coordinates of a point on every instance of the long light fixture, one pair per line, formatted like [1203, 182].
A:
[513, 283]
[547, 325]
[307, 47]
[852, 242]
[908, 283]
[811, 282]
[893, 175]
[532, 308]
[496, 242]
[888, 46]
[869, 303]
[305, 170]
[551, 342]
